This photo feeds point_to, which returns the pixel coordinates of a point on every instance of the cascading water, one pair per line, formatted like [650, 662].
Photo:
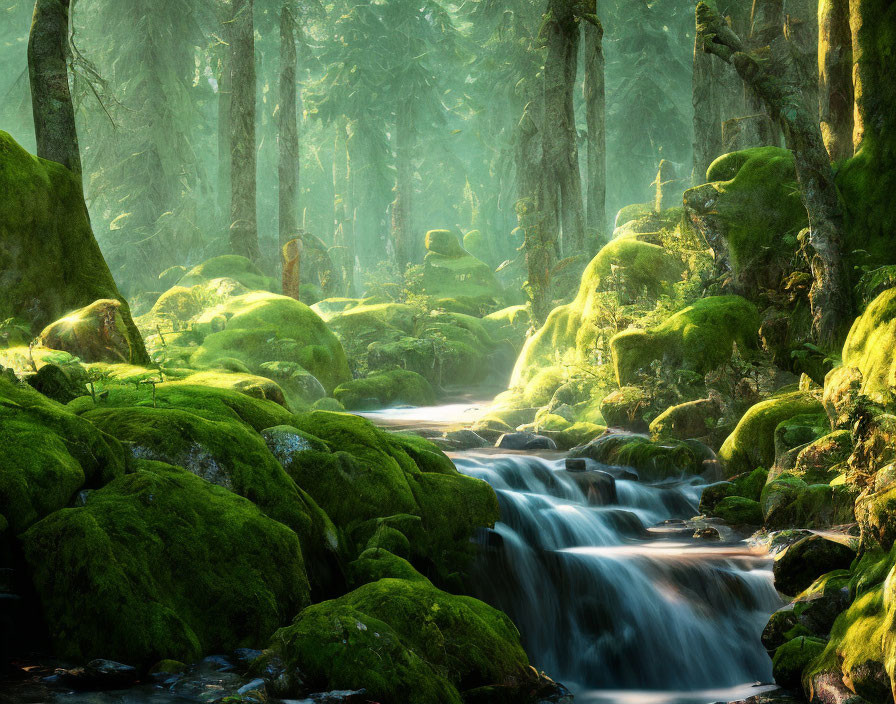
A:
[615, 611]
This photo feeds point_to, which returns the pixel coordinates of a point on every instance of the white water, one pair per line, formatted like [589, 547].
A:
[617, 613]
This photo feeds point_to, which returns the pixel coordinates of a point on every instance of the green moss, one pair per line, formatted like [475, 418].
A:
[699, 338]
[789, 502]
[871, 347]
[571, 331]
[652, 460]
[49, 260]
[624, 407]
[793, 657]
[450, 272]
[737, 510]
[377, 563]
[228, 266]
[747, 485]
[444, 242]
[752, 444]
[404, 640]
[160, 564]
[263, 327]
[692, 419]
[396, 387]
[372, 475]
[49, 453]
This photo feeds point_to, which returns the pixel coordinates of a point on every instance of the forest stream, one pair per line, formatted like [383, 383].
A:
[602, 574]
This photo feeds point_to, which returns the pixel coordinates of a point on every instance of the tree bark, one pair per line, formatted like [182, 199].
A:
[830, 295]
[871, 23]
[51, 100]
[225, 93]
[596, 119]
[404, 186]
[835, 77]
[243, 213]
[288, 165]
[539, 225]
[563, 185]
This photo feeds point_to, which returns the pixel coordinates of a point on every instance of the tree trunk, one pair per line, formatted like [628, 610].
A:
[243, 214]
[563, 185]
[404, 186]
[539, 225]
[51, 100]
[871, 23]
[707, 113]
[830, 295]
[288, 166]
[595, 116]
[835, 77]
[225, 92]
[766, 27]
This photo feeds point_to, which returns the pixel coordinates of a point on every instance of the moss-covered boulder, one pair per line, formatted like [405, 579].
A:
[50, 263]
[452, 273]
[692, 419]
[95, 333]
[738, 510]
[794, 656]
[161, 564]
[750, 213]
[228, 266]
[699, 338]
[747, 486]
[752, 444]
[382, 389]
[369, 480]
[652, 460]
[261, 328]
[871, 348]
[624, 408]
[789, 502]
[802, 563]
[404, 640]
[571, 331]
[49, 454]
[842, 387]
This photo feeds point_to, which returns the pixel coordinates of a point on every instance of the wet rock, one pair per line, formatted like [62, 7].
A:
[466, 439]
[708, 533]
[345, 696]
[576, 464]
[828, 688]
[525, 441]
[99, 674]
[598, 487]
[807, 559]
[779, 625]
[793, 657]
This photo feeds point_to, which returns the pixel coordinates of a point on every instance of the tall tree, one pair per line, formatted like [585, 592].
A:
[562, 191]
[595, 113]
[830, 296]
[243, 168]
[54, 114]
[288, 128]
[835, 77]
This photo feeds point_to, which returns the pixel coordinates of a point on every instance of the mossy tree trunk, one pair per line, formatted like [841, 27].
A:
[835, 77]
[563, 184]
[830, 296]
[243, 213]
[766, 27]
[51, 100]
[402, 206]
[288, 129]
[596, 119]
[707, 113]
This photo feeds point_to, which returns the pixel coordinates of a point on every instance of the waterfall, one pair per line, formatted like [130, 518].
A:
[613, 609]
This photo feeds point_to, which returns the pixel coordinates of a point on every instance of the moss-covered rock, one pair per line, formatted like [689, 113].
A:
[842, 387]
[789, 502]
[623, 408]
[161, 564]
[699, 338]
[871, 348]
[452, 273]
[692, 419]
[571, 332]
[48, 455]
[228, 266]
[96, 333]
[396, 387]
[50, 263]
[820, 461]
[260, 328]
[739, 510]
[652, 460]
[750, 213]
[404, 640]
[793, 657]
[797, 568]
[370, 478]
[752, 444]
